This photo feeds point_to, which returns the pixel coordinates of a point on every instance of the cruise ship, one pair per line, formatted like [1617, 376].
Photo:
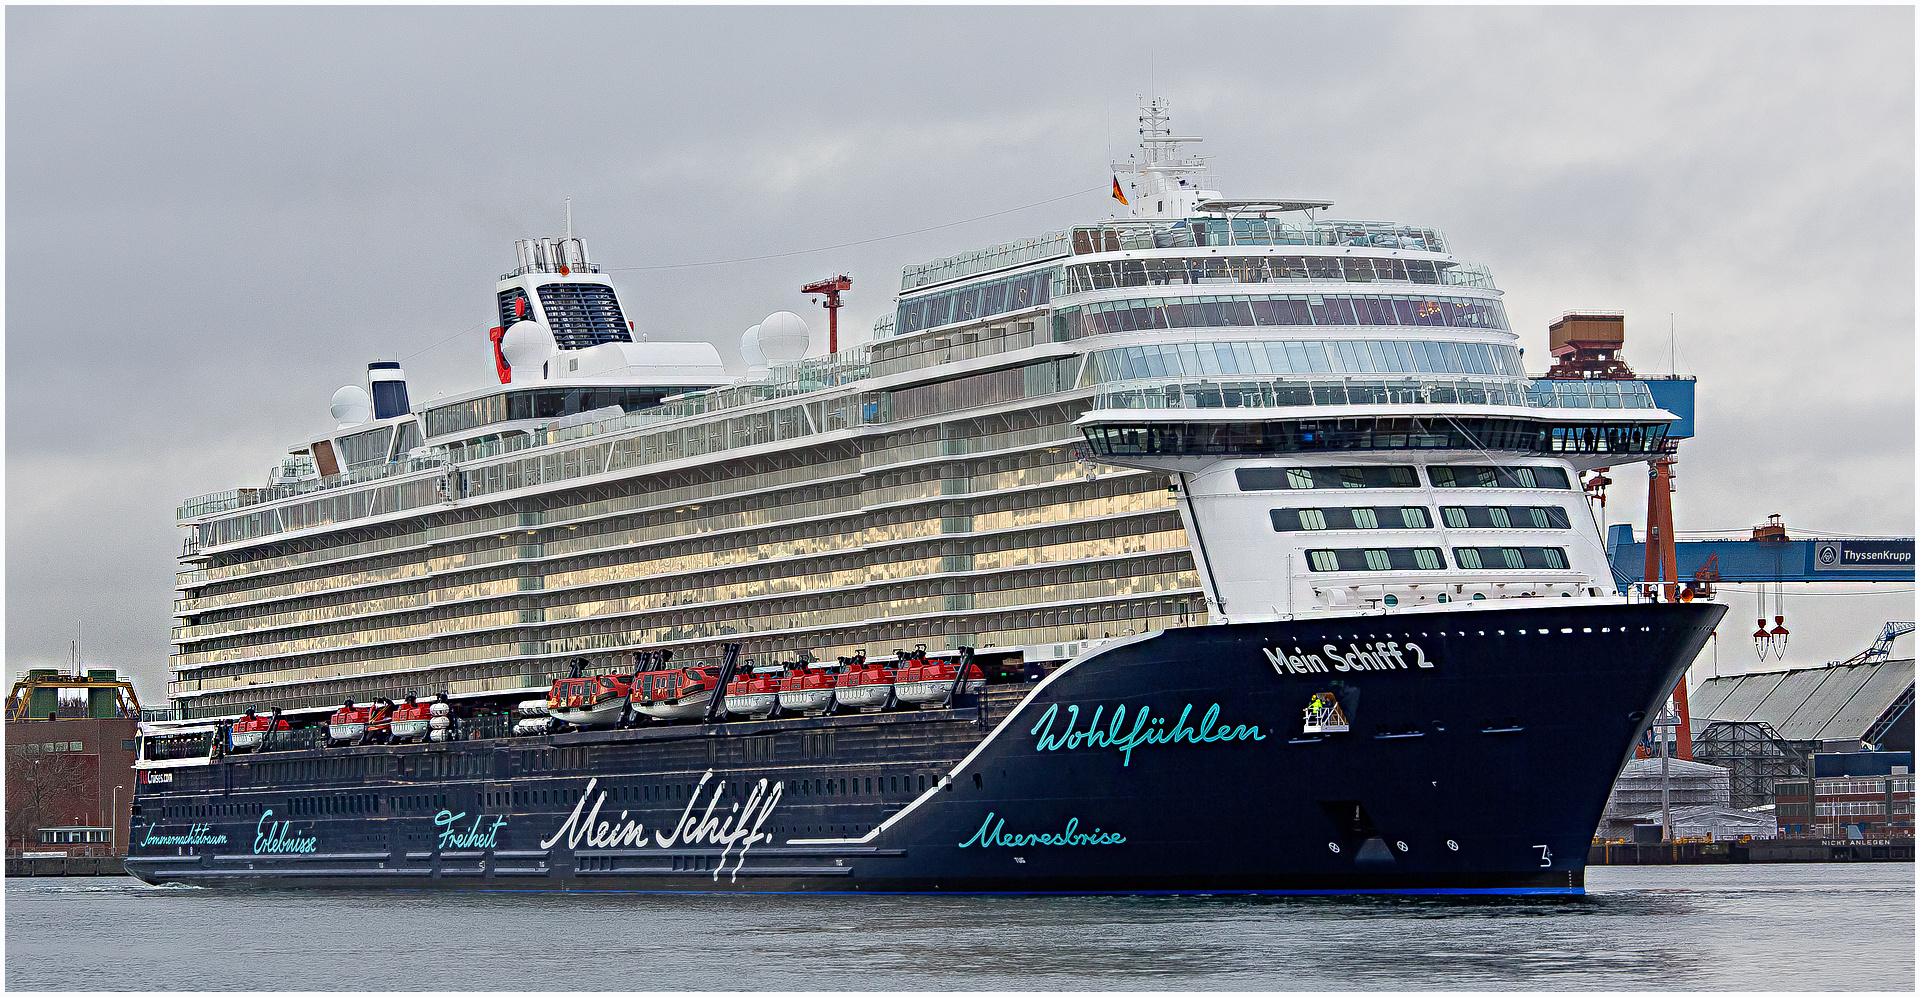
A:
[1214, 546]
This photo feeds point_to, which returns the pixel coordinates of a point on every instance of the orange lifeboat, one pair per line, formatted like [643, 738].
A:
[865, 686]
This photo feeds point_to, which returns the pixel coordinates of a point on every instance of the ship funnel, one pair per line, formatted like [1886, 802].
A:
[552, 255]
[388, 385]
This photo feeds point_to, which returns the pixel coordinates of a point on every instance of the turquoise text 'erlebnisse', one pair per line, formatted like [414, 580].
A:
[1147, 729]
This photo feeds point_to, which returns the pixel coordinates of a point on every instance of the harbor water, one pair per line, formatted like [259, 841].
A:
[1735, 927]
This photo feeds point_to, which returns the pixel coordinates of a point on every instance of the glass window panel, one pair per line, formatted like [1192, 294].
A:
[1365, 519]
[1414, 517]
[1499, 517]
[1312, 519]
[1243, 362]
[1377, 560]
[1297, 358]
[1377, 355]
[1263, 311]
[1403, 354]
[1427, 558]
[1299, 477]
[1323, 560]
[1467, 557]
[1317, 358]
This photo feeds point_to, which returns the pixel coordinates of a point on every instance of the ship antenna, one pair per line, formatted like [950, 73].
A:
[569, 217]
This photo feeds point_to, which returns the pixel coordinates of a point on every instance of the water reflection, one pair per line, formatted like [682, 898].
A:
[1762, 928]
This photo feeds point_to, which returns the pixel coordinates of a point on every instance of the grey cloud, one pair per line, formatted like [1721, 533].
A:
[218, 215]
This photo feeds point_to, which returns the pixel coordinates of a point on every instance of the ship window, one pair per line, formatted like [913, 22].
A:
[1253, 479]
[1376, 559]
[1365, 518]
[1535, 558]
[1481, 476]
[1488, 517]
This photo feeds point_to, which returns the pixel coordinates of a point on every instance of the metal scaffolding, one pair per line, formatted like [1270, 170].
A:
[1754, 755]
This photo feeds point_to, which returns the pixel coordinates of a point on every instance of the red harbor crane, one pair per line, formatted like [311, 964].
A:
[831, 287]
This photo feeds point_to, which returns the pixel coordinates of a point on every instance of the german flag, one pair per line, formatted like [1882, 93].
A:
[1117, 194]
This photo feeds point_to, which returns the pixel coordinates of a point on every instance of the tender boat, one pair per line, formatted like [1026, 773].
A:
[809, 690]
[676, 694]
[347, 725]
[590, 701]
[410, 721]
[757, 693]
[250, 732]
[931, 681]
[863, 685]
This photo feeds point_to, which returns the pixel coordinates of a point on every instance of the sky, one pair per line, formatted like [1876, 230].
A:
[218, 216]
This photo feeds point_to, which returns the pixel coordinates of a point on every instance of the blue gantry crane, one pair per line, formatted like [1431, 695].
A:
[1769, 557]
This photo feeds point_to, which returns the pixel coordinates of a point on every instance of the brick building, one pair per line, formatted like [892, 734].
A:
[1855, 795]
[70, 774]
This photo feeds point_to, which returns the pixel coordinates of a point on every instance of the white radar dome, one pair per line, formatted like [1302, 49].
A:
[526, 345]
[784, 338]
[750, 349]
[352, 406]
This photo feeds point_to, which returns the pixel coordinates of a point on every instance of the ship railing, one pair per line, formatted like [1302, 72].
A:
[574, 267]
[1006, 254]
[1556, 393]
[1287, 392]
[1639, 592]
[215, 503]
[488, 726]
[1172, 271]
[1213, 231]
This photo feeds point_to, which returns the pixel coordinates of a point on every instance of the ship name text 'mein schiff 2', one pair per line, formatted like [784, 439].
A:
[1212, 547]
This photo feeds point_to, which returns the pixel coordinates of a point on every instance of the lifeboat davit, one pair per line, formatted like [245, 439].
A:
[250, 732]
[809, 690]
[347, 725]
[925, 681]
[863, 685]
[757, 693]
[591, 700]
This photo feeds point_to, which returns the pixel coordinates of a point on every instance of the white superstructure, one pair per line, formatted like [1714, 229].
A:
[1338, 407]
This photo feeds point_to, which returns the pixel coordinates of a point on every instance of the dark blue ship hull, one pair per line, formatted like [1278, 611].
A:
[1479, 751]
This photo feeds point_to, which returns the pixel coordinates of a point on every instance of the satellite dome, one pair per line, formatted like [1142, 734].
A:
[784, 338]
[750, 348]
[525, 346]
[352, 406]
